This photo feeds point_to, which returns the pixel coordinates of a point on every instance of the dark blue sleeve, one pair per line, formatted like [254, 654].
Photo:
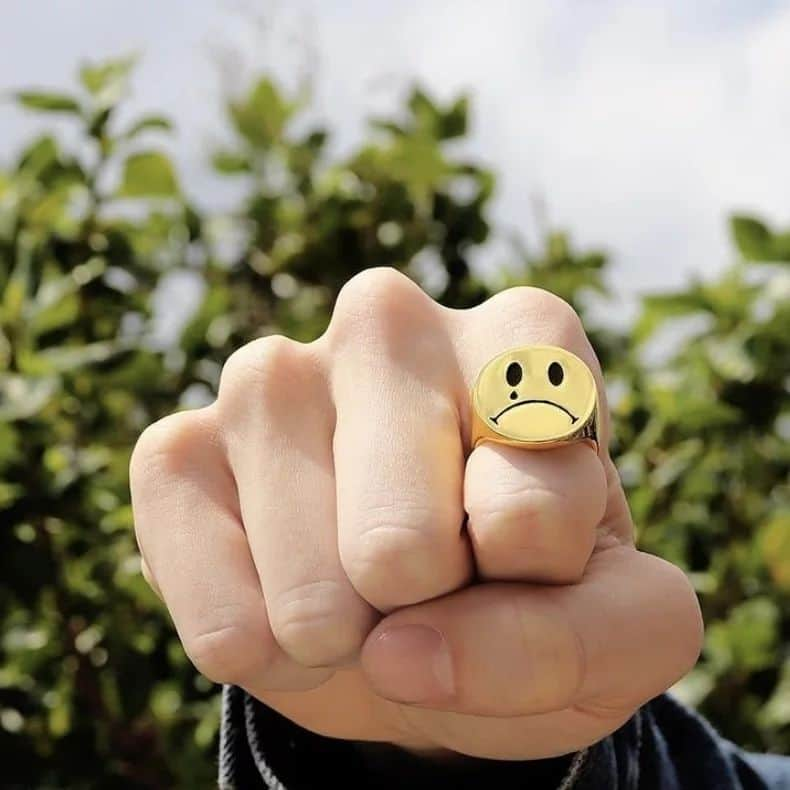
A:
[664, 746]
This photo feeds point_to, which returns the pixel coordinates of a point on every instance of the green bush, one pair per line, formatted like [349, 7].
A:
[96, 243]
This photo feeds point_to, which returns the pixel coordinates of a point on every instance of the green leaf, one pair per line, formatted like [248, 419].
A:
[776, 712]
[431, 119]
[230, 162]
[48, 102]
[59, 720]
[98, 123]
[148, 123]
[148, 174]
[774, 539]
[454, 122]
[417, 161]
[261, 118]
[752, 238]
[56, 303]
[675, 463]
[40, 155]
[729, 358]
[61, 359]
[424, 111]
[9, 493]
[106, 82]
[747, 639]
[386, 125]
[782, 247]
[17, 288]
[316, 139]
[659, 308]
[216, 302]
[10, 444]
[52, 209]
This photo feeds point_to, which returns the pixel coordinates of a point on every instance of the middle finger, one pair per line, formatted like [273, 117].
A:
[398, 451]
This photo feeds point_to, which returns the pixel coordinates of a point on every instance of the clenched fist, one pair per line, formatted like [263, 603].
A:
[324, 537]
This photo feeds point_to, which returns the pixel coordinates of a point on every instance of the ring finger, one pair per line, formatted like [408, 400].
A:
[533, 514]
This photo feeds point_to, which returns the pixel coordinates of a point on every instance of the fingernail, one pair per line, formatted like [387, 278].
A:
[410, 663]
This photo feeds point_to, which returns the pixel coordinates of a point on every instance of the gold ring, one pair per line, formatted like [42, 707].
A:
[535, 397]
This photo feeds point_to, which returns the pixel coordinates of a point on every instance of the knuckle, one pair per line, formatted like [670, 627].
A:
[374, 300]
[170, 443]
[233, 651]
[545, 308]
[554, 655]
[534, 515]
[532, 532]
[260, 369]
[393, 561]
[318, 623]
[530, 508]
[577, 661]
[376, 288]
[258, 363]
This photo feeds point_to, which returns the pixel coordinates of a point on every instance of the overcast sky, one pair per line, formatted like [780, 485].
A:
[640, 124]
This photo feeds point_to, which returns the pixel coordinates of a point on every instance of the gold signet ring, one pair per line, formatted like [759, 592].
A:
[535, 397]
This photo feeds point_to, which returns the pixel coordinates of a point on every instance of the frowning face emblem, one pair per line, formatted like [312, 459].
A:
[536, 394]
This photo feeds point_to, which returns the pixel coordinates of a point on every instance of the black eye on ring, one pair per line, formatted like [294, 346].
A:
[556, 374]
[513, 374]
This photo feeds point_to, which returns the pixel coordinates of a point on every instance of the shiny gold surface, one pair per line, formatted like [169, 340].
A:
[535, 396]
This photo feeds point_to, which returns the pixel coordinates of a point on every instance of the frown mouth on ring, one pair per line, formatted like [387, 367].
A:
[495, 418]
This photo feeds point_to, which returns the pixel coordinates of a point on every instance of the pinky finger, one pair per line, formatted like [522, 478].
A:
[197, 558]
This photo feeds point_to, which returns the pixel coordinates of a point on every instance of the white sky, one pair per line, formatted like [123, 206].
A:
[640, 124]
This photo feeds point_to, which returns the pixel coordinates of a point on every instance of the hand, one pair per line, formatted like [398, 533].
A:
[307, 533]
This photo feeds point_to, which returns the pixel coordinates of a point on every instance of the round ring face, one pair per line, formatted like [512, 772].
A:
[535, 394]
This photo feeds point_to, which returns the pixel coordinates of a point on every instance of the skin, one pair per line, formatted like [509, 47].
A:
[308, 534]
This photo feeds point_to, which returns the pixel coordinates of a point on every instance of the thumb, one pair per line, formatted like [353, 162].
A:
[621, 636]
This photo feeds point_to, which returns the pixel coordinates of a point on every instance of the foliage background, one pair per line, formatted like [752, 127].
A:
[96, 240]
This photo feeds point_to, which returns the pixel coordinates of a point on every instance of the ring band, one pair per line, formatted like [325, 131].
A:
[535, 397]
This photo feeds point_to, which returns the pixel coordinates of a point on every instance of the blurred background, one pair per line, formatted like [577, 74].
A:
[179, 178]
